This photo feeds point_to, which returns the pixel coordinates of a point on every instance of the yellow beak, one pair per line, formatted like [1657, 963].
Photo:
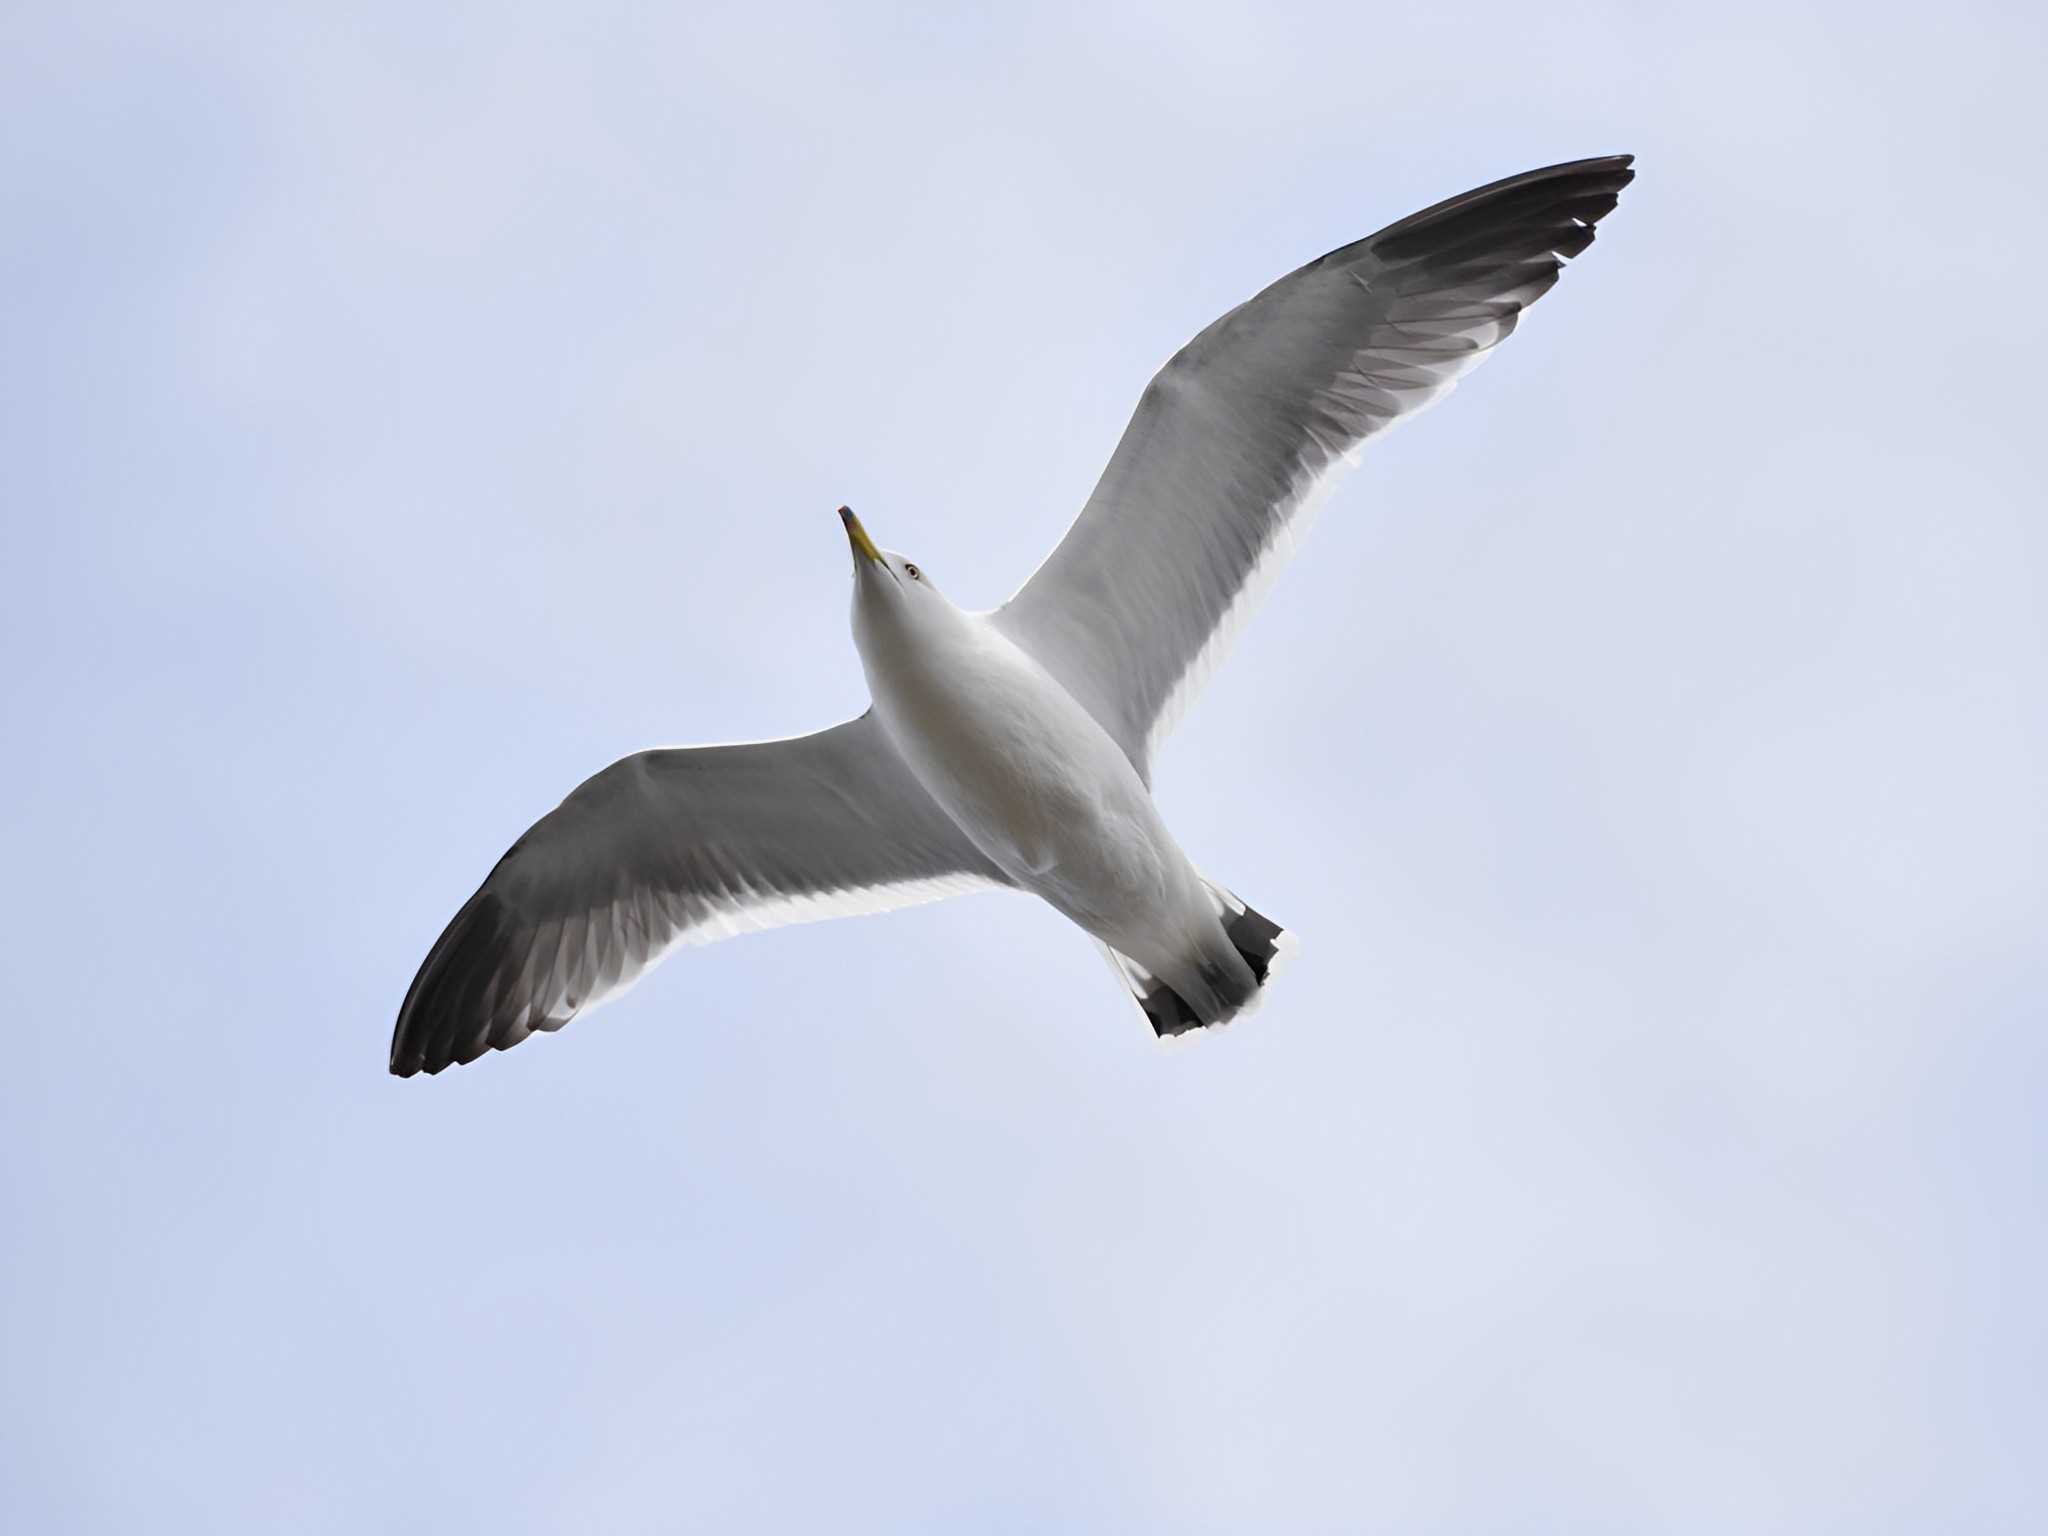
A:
[857, 536]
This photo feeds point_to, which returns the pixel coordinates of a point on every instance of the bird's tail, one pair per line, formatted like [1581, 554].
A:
[1264, 945]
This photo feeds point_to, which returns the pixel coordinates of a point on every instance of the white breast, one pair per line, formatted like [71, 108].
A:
[1027, 773]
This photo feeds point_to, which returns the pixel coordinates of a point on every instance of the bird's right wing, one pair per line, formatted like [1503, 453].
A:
[1244, 424]
[681, 845]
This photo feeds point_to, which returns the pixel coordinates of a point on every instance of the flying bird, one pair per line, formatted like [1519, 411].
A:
[1014, 748]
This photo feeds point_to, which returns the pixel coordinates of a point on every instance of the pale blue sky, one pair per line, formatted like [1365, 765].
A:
[402, 416]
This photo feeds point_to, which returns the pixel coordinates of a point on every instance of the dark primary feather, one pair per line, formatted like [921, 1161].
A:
[1242, 422]
[661, 846]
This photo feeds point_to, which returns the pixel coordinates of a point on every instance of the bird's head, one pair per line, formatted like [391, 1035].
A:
[892, 595]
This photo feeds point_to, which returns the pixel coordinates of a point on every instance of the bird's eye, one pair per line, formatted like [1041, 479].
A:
[910, 570]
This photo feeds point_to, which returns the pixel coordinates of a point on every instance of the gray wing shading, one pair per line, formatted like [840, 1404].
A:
[1237, 434]
[675, 846]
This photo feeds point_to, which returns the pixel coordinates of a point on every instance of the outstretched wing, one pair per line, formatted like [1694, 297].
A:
[672, 846]
[1236, 434]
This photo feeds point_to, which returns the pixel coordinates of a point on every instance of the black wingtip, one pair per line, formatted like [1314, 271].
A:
[1544, 213]
[444, 1018]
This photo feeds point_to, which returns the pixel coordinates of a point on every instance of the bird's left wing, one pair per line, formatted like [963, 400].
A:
[1244, 425]
[678, 846]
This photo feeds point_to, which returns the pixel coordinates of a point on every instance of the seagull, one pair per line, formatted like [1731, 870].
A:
[1013, 748]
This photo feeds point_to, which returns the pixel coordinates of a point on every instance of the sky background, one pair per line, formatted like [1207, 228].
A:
[403, 414]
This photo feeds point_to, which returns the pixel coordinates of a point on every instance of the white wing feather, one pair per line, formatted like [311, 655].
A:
[678, 846]
[1238, 438]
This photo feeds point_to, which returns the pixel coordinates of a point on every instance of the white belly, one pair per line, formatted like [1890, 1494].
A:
[1033, 781]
